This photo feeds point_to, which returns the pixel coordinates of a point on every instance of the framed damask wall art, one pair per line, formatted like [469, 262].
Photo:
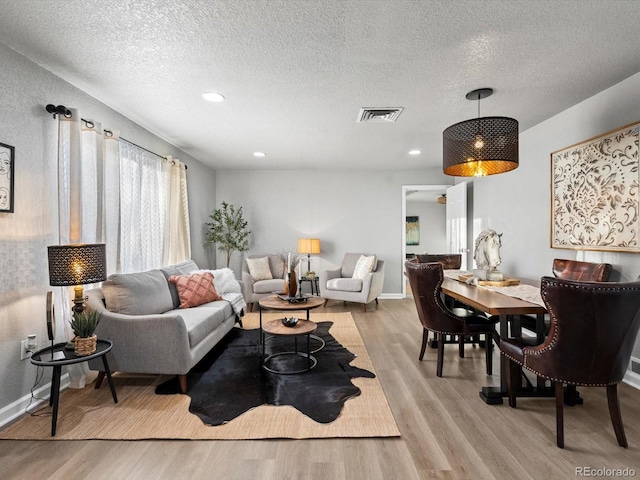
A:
[6, 178]
[594, 193]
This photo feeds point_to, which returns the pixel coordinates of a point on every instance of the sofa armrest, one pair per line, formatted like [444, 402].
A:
[157, 343]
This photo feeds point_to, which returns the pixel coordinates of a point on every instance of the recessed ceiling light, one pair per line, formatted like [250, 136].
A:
[213, 97]
[415, 152]
[259, 154]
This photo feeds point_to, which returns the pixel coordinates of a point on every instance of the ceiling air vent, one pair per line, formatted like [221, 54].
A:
[379, 114]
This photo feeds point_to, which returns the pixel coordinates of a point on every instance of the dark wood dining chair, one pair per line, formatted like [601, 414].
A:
[449, 261]
[568, 270]
[581, 271]
[426, 282]
[593, 330]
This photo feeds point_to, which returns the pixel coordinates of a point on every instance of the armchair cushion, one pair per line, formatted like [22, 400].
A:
[268, 286]
[345, 284]
[259, 268]
[143, 293]
[195, 289]
[363, 266]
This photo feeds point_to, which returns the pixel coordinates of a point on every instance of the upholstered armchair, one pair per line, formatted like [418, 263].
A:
[265, 276]
[593, 330]
[350, 283]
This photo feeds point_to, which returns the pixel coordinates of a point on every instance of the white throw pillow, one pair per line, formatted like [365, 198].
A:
[364, 266]
[259, 268]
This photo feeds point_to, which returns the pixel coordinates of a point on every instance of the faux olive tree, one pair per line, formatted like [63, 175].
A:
[228, 229]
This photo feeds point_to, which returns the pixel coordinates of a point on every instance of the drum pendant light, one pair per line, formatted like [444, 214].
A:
[480, 146]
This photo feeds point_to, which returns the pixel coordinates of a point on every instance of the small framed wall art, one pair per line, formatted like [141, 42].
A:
[413, 231]
[595, 202]
[6, 178]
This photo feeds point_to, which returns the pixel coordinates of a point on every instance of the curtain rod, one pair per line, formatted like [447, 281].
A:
[109, 133]
[62, 110]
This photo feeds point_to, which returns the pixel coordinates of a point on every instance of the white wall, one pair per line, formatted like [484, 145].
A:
[433, 231]
[518, 203]
[25, 89]
[349, 211]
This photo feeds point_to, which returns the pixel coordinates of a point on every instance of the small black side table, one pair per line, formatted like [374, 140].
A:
[313, 281]
[50, 357]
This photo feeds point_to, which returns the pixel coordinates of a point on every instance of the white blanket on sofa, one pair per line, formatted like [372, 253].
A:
[229, 289]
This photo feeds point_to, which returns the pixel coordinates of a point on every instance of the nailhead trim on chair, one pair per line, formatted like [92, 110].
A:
[551, 343]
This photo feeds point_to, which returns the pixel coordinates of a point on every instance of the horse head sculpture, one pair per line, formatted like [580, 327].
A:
[487, 250]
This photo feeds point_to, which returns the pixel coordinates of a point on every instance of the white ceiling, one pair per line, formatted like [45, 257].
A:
[295, 73]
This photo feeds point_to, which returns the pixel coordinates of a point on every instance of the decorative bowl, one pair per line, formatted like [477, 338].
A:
[289, 322]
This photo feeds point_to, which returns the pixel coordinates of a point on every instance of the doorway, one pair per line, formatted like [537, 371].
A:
[418, 193]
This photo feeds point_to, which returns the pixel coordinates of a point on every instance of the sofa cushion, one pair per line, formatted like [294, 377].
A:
[345, 284]
[259, 268]
[195, 289]
[269, 286]
[200, 321]
[168, 272]
[141, 293]
[188, 266]
[364, 266]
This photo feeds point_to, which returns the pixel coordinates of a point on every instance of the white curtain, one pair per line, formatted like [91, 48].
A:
[177, 239]
[88, 190]
[154, 210]
[114, 192]
[144, 198]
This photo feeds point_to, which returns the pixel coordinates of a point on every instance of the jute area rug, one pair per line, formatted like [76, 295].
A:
[141, 414]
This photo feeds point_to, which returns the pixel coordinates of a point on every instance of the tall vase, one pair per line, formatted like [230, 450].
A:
[292, 283]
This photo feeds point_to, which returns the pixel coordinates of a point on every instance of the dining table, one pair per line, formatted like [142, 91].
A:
[508, 308]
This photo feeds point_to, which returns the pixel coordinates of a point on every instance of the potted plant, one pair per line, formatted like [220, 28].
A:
[84, 325]
[228, 229]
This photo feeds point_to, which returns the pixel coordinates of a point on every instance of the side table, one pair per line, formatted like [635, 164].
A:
[314, 283]
[51, 357]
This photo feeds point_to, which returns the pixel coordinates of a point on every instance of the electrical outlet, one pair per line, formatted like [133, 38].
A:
[24, 353]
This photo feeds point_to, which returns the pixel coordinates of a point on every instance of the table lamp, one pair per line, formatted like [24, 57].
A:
[308, 246]
[77, 265]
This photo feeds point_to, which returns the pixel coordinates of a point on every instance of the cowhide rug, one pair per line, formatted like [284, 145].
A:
[230, 380]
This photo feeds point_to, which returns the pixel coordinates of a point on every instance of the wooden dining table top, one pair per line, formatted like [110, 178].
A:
[488, 301]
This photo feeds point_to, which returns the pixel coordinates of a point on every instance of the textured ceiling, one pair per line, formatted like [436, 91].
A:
[295, 73]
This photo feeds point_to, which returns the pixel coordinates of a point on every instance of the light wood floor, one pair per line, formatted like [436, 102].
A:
[447, 431]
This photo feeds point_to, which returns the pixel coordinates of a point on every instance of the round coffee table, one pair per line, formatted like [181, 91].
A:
[277, 329]
[274, 302]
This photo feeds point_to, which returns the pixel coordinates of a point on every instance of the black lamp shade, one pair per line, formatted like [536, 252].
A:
[481, 146]
[77, 264]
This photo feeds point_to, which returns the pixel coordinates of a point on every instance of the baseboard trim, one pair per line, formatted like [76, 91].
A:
[16, 409]
[632, 378]
[391, 296]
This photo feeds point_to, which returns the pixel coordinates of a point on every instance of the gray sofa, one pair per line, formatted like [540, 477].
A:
[140, 314]
[339, 284]
[253, 290]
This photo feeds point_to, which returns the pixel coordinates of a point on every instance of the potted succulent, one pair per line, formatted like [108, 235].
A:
[84, 325]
